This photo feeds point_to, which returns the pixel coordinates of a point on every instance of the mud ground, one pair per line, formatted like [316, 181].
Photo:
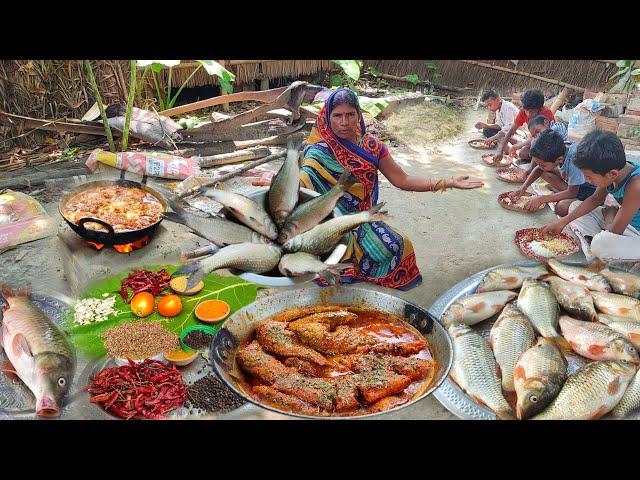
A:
[455, 234]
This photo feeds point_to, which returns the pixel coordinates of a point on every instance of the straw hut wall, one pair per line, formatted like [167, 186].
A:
[589, 74]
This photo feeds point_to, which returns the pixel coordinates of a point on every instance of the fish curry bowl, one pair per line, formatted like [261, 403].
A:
[274, 278]
[247, 352]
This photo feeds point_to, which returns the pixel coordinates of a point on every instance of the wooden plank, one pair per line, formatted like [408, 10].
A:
[233, 157]
[525, 74]
[49, 125]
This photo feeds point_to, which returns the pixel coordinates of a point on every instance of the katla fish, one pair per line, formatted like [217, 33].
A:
[623, 283]
[603, 318]
[625, 326]
[250, 257]
[574, 298]
[540, 306]
[538, 377]
[615, 304]
[219, 230]
[310, 213]
[511, 335]
[245, 210]
[285, 186]
[596, 341]
[591, 392]
[509, 278]
[323, 237]
[39, 352]
[630, 401]
[583, 276]
[477, 307]
[300, 263]
[475, 370]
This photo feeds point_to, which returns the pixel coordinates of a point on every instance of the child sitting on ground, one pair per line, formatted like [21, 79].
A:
[505, 115]
[555, 163]
[536, 126]
[532, 106]
[607, 233]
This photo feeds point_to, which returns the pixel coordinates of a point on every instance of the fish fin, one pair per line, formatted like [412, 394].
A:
[561, 344]
[379, 215]
[614, 386]
[505, 414]
[582, 277]
[596, 350]
[9, 370]
[634, 337]
[330, 277]
[195, 271]
[338, 267]
[519, 373]
[511, 280]
[624, 310]
[599, 413]
[20, 346]
[347, 180]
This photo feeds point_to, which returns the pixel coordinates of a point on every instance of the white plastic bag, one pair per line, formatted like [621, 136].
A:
[583, 119]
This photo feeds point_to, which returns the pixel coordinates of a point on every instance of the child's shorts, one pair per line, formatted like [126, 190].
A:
[585, 191]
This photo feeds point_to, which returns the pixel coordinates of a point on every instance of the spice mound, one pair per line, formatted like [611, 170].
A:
[211, 395]
[144, 281]
[148, 390]
[198, 340]
[139, 340]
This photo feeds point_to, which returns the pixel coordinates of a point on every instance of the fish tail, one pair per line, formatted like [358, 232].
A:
[196, 272]
[379, 215]
[330, 277]
[347, 180]
[338, 267]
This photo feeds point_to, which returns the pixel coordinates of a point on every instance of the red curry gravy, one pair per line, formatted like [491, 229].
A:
[384, 327]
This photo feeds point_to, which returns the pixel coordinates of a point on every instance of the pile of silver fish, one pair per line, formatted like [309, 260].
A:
[287, 235]
[40, 354]
[550, 317]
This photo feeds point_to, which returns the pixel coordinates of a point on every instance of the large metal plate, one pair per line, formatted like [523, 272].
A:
[449, 394]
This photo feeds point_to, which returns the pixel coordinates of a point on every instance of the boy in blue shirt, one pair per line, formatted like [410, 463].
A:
[607, 233]
[555, 163]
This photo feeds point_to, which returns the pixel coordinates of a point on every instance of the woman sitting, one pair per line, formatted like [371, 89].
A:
[339, 142]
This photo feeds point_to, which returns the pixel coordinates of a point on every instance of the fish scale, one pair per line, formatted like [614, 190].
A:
[591, 392]
[476, 371]
[630, 400]
[596, 341]
[574, 298]
[283, 194]
[540, 306]
[509, 278]
[626, 327]
[477, 307]
[582, 276]
[622, 282]
[511, 335]
[616, 304]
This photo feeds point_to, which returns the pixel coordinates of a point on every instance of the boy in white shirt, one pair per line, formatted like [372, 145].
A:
[506, 113]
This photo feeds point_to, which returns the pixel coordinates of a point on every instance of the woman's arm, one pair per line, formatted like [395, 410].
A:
[398, 178]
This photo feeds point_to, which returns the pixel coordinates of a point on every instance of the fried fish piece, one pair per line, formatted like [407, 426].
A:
[275, 338]
[303, 366]
[260, 364]
[343, 340]
[289, 402]
[316, 391]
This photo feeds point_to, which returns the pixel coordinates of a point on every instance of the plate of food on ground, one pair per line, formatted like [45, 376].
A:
[540, 247]
[505, 201]
[543, 342]
[481, 144]
[511, 175]
[487, 159]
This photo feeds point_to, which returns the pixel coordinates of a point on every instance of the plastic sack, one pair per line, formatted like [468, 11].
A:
[154, 164]
[583, 119]
[22, 220]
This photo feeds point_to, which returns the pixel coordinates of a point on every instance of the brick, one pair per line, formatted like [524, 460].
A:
[635, 113]
[629, 119]
[630, 132]
[617, 99]
[634, 103]
[608, 124]
[612, 111]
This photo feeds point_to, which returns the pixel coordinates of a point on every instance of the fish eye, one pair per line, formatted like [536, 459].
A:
[533, 399]
[62, 381]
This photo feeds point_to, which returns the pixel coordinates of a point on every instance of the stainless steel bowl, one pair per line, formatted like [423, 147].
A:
[242, 324]
[275, 278]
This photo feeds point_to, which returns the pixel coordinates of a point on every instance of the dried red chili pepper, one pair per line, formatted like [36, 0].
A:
[144, 281]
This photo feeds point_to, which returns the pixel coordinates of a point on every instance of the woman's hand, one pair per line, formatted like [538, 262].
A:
[553, 228]
[464, 183]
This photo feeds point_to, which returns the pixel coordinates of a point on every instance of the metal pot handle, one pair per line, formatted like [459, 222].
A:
[420, 319]
[84, 220]
[222, 346]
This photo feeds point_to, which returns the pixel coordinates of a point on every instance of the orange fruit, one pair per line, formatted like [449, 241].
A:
[212, 311]
[170, 306]
[142, 304]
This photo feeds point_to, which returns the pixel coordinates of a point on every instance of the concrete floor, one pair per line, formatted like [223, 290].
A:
[455, 234]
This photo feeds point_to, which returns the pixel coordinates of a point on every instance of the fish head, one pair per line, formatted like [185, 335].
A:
[53, 376]
[532, 398]
[625, 350]
[457, 329]
[453, 314]
[272, 229]
[280, 217]
[293, 245]
[599, 284]
[490, 280]
[285, 234]
[625, 368]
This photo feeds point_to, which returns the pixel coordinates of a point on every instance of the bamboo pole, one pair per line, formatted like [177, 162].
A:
[525, 74]
[233, 157]
[94, 86]
[127, 117]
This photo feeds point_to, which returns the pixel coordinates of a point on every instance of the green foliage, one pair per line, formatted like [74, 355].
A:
[413, 78]
[373, 106]
[351, 68]
[166, 100]
[629, 76]
[87, 338]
